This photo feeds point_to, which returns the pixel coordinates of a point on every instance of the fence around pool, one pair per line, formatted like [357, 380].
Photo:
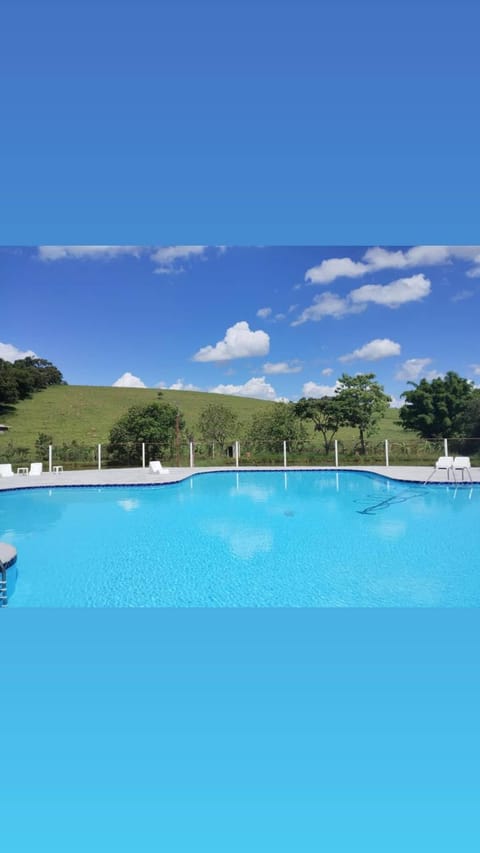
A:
[185, 454]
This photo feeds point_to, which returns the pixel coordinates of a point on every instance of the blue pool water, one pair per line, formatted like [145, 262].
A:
[266, 539]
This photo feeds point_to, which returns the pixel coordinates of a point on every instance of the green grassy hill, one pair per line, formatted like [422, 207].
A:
[86, 413]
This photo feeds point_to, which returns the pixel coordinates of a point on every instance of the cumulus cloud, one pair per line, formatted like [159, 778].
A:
[180, 385]
[396, 403]
[334, 268]
[327, 305]
[239, 342]
[394, 294]
[264, 312]
[311, 389]
[9, 352]
[167, 257]
[474, 272]
[374, 350]
[294, 366]
[411, 369]
[327, 371]
[475, 368]
[58, 253]
[128, 380]
[378, 258]
[255, 387]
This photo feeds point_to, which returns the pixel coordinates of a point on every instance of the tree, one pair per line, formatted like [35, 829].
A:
[158, 425]
[217, 424]
[20, 379]
[268, 430]
[8, 383]
[437, 409]
[326, 415]
[362, 402]
[42, 443]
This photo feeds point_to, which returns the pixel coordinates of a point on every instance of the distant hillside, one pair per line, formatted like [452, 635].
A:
[87, 413]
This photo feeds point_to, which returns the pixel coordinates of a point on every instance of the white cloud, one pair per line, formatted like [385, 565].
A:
[475, 368]
[394, 294]
[9, 352]
[463, 294]
[374, 350]
[282, 367]
[411, 369]
[256, 387]
[334, 268]
[180, 385]
[239, 342]
[128, 380]
[264, 312]
[378, 258]
[327, 305]
[279, 317]
[396, 403]
[311, 389]
[166, 257]
[58, 253]
[327, 371]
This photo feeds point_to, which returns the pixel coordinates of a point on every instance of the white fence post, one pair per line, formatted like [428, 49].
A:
[284, 454]
[191, 455]
[386, 453]
[143, 454]
[445, 446]
[50, 448]
[336, 453]
[99, 455]
[236, 454]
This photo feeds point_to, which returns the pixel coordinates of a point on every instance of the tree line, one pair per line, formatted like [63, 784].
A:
[441, 408]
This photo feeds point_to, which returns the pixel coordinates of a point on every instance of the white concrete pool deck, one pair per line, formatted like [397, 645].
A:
[142, 476]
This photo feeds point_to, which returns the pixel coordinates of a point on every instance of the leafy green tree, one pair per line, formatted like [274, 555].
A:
[268, 430]
[326, 415]
[158, 425]
[362, 403]
[20, 379]
[217, 424]
[8, 384]
[42, 444]
[437, 409]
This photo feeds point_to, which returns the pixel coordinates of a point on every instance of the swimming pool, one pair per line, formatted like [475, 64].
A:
[247, 539]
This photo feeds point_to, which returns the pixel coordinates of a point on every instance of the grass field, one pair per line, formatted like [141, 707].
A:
[87, 413]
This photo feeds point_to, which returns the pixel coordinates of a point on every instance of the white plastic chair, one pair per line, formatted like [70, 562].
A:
[36, 469]
[156, 467]
[443, 463]
[462, 463]
[6, 469]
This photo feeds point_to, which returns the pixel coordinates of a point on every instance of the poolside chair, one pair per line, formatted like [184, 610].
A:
[156, 467]
[462, 463]
[443, 463]
[36, 469]
[6, 470]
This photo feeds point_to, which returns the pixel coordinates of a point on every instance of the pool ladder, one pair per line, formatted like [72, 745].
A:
[3, 585]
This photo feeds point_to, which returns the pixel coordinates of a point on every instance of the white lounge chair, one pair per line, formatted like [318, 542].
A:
[443, 463]
[462, 463]
[36, 469]
[6, 469]
[156, 467]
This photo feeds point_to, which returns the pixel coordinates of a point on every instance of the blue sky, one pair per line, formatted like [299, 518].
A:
[267, 322]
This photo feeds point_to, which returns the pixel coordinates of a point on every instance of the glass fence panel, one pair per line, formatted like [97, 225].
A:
[76, 455]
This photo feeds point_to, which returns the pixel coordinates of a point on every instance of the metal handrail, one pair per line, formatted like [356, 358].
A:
[3, 585]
